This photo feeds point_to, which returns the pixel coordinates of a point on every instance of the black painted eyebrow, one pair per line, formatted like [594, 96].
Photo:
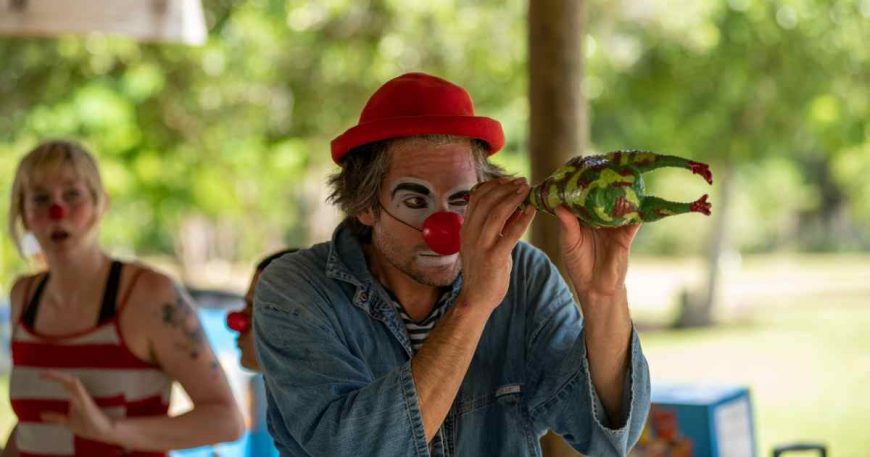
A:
[411, 187]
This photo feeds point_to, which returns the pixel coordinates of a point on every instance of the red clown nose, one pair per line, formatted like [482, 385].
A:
[441, 232]
[239, 321]
[56, 212]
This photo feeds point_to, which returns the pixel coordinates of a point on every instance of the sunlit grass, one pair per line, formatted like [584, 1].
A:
[808, 370]
[795, 332]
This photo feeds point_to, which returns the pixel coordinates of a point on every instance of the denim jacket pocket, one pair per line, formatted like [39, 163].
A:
[507, 394]
[510, 398]
[497, 421]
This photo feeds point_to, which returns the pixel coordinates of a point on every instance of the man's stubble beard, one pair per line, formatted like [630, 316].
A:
[386, 245]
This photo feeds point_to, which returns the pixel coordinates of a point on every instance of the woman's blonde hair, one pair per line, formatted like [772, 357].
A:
[45, 159]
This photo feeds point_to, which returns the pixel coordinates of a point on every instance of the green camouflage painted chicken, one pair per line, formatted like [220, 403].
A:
[607, 190]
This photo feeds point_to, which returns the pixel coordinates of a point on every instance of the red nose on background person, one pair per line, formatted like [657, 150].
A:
[441, 232]
[56, 212]
[239, 321]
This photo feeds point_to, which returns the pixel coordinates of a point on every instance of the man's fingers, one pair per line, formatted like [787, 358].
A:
[613, 246]
[515, 228]
[567, 218]
[623, 236]
[492, 196]
[483, 187]
[473, 216]
[513, 217]
[570, 229]
[501, 206]
[490, 208]
[632, 232]
[481, 190]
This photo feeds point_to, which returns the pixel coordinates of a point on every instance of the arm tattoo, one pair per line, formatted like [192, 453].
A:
[179, 315]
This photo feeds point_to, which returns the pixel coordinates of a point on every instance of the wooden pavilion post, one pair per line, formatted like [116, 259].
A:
[557, 129]
[558, 124]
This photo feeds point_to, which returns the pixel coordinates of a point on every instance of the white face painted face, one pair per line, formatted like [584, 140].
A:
[413, 200]
[424, 178]
[76, 227]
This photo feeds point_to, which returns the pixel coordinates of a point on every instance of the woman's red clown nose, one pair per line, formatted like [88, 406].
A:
[56, 212]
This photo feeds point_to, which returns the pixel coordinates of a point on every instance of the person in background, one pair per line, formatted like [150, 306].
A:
[96, 342]
[260, 443]
[241, 321]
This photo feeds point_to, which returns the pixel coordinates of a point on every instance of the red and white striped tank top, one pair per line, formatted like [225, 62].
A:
[122, 384]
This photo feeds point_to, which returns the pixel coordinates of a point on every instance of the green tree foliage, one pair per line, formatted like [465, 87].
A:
[227, 134]
[776, 90]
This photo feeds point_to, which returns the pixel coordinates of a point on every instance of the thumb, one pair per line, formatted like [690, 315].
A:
[625, 235]
[632, 232]
[566, 218]
[570, 225]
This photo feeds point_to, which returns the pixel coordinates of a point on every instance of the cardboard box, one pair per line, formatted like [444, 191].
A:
[690, 420]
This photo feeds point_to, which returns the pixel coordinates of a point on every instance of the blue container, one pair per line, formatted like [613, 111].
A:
[714, 421]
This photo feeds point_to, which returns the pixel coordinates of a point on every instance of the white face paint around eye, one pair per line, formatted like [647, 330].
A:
[456, 199]
[413, 200]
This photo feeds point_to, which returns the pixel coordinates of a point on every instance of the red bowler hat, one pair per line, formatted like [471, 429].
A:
[418, 104]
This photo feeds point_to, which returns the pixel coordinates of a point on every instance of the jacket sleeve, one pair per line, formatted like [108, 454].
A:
[323, 399]
[562, 397]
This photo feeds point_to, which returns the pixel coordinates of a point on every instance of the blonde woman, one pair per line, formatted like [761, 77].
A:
[97, 343]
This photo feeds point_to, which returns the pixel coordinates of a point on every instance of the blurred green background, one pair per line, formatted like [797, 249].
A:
[214, 155]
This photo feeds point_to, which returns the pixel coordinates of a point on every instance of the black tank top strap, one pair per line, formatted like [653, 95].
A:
[110, 294]
[29, 317]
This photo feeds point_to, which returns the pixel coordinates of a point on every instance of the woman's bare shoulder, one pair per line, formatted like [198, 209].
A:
[148, 289]
[18, 296]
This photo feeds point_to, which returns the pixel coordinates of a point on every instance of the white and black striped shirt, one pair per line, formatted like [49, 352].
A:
[418, 331]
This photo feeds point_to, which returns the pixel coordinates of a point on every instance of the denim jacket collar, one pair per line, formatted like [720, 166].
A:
[347, 262]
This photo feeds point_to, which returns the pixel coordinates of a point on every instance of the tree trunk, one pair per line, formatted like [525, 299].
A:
[557, 129]
[696, 310]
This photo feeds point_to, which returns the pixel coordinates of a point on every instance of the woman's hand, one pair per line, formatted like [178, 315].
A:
[84, 418]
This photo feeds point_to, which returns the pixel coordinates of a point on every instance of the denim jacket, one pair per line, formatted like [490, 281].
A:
[337, 364]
